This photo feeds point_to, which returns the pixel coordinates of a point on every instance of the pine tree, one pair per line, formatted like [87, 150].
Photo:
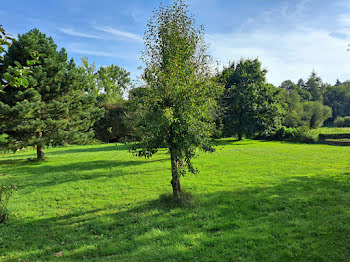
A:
[54, 107]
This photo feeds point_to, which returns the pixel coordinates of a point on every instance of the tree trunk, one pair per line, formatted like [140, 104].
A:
[39, 148]
[175, 182]
[40, 152]
[240, 136]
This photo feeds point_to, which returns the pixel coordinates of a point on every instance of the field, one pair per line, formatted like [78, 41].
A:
[254, 201]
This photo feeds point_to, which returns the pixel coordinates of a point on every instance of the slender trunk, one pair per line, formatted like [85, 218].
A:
[39, 148]
[240, 136]
[175, 182]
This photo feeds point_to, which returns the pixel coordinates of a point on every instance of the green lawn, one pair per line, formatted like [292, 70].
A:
[256, 201]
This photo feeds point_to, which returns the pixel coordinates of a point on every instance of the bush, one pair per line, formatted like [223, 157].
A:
[5, 194]
[342, 121]
[339, 121]
[299, 134]
[347, 121]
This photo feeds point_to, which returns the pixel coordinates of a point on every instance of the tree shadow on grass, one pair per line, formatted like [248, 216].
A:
[300, 219]
[66, 150]
[90, 149]
[36, 176]
[236, 142]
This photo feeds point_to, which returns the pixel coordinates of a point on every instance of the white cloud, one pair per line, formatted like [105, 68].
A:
[85, 50]
[118, 33]
[289, 55]
[288, 52]
[72, 32]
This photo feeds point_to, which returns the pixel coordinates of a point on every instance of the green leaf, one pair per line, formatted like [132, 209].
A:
[8, 77]
[18, 64]
[19, 82]
[30, 62]
[24, 82]
[26, 72]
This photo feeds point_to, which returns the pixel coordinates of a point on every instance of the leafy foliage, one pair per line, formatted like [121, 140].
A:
[342, 121]
[251, 105]
[338, 98]
[108, 83]
[315, 113]
[114, 125]
[301, 134]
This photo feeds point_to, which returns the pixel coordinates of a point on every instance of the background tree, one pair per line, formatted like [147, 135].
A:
[252, 106]
[315, 86]
[315, 113]
[338, 98]
[54, 107]
[114, 125]
[293, 108]
[179, 107]
[107, 83]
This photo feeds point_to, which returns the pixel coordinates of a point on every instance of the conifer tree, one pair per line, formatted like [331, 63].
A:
[54, 108]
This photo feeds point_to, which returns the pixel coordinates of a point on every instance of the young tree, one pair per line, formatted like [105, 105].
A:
[53, 108]
[179, 107]
[252, 105]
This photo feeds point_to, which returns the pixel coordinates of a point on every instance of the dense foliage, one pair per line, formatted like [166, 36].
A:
[107, 83]
[342, 121]
[250, 105]
[328, 102]
[114, 125]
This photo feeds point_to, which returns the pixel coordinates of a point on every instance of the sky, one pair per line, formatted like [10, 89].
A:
[291, 38]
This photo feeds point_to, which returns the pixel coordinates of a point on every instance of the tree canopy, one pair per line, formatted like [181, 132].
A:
[251, 105]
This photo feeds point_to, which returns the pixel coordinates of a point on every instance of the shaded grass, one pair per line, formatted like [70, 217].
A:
[252, 201]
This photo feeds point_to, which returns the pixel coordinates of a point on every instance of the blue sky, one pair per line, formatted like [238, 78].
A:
[291, 38]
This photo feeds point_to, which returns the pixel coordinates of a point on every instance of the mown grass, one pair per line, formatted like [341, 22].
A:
[255, 201]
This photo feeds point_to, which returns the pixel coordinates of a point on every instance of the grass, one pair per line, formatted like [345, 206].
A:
[254, 201]
[331, 130]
